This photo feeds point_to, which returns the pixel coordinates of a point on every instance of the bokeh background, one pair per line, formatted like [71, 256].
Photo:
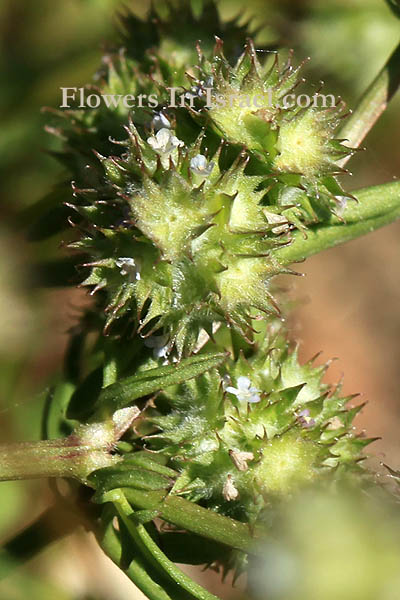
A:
[347, 305]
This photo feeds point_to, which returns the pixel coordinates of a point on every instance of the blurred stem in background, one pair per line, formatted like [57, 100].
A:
[373, 103]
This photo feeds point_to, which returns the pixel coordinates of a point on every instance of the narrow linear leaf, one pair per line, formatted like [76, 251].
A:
[125, 475]
[155, 555]
[373, 102]
[138, 572]
[127, 390]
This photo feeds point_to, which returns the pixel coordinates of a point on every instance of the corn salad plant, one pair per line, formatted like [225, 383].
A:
[184, 418]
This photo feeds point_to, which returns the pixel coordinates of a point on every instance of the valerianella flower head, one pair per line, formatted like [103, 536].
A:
[200, 166]
[257, 428]
[244, 392]
[202, 196]
[165, 143]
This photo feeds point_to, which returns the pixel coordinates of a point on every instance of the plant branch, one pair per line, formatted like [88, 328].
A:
[47, 458]
[194, 518]
[87, 449]
[372, 104]
[154, 554]
[135, 568]
[377, 206]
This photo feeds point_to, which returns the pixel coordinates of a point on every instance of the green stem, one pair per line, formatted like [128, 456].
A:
[372, 104]
[377, 206]
[66, 457]
[28, 460]
[87, 449]
[154, 554]
[194, 518]
[136, 571]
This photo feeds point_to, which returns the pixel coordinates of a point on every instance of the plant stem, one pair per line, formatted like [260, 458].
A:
[194, 518]
[87, 449]
[153, 553]
[50, 458]
[137, 570]
[372, 104]
[377, 206]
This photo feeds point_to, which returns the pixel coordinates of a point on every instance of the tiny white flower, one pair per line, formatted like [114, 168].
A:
[244, 391]
[200, 166]
[164, 142]
[129, 267]
[160, 121]
[159, 345]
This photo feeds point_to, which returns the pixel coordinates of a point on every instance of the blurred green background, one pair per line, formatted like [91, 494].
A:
[349, 302]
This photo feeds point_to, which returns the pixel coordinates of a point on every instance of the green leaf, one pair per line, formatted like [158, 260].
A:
[126, 475]
[144, 460]
[374, 100]
[127, 390]
[85, 396]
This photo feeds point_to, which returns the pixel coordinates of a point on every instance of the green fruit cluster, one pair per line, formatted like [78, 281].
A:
[180, 219]
[180, 211]
[252, 431]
